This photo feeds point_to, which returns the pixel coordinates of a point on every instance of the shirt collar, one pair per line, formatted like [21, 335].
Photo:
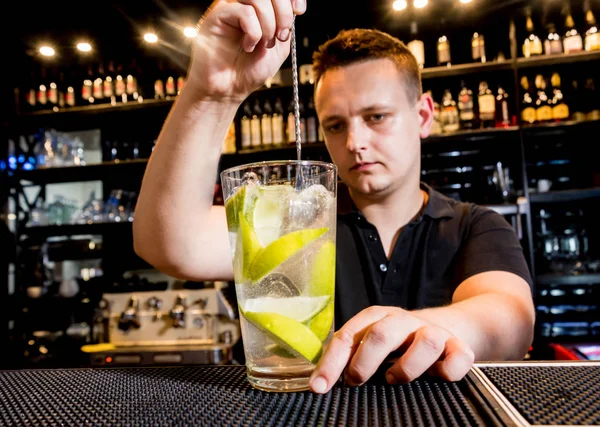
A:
[438, 206]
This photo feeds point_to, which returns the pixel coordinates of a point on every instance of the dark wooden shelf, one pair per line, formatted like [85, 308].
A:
[461, 69]
[101, 228]
[471, 134]
[91, 172]
[98, 109]
[563, 58]
[565, 195]
[568, 279]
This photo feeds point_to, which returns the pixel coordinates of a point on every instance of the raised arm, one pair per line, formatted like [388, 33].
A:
[176, 228]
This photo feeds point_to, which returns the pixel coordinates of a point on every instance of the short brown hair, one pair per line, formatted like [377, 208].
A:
[356, 45]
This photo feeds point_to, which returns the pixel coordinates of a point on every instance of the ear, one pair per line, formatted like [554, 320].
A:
[425, 110]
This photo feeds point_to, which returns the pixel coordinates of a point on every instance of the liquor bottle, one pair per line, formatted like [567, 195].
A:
[62, 90]
[277, 123]
[120, 85]
[131, 82]
[70, 95]
[553, 43]
[290, 129]
[478, 47]
[302, 112]
[246, 134]
[592, 36]
[170, 84]
[487, 106]
[560, 110]
[572, 41]
[53, 91]
[466, 113]
[443, 51]
[311, 122]
[266, 124]
[577, 101]
[449, 113]
[98, 86]
[108, 86]
[180, 83]
[29, 93]
[592, 106]
[436, 127]
[87, 88]
[42, 91]
[543, 110]
[503, 116]
[255, 124]
[416, 46]
[159, 82]
[532, 45]
[229, 141]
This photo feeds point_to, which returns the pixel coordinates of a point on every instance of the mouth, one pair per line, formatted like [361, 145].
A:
[363, 166]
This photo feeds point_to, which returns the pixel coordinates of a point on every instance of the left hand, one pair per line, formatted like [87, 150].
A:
[367, 339]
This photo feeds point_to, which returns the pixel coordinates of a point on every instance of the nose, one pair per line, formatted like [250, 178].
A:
[357, 138]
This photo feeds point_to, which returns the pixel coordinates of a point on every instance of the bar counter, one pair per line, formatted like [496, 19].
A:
[492, 394]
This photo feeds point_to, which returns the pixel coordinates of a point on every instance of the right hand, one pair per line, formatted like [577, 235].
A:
[240, 45]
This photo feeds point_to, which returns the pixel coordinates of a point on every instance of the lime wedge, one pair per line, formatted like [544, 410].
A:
[301, 309]
[281, 249]
[322, 278]
[288, 333]
[269, 211]
[250, 247]
[240, 203]
[321, 323]
[280, 351]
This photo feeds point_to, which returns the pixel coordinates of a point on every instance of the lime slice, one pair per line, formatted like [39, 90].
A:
[240, 203]
[301, 309]
[321, 323]
[281, 249]
[288, 333]
[280, 351]
[250, 247]
[322, 278]
[269, 212]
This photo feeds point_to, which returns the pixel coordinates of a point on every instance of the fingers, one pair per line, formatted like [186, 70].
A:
[266, 15]
[379, 340]
[243, 17]
[342, 347]
[284, 17]
[299, 6]
[427, 347]
[458, 360]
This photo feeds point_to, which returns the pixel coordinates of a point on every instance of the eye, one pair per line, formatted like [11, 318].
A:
[377, 117]
[334, 127]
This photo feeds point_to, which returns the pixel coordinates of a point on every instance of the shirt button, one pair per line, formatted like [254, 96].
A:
[372, 237]
[383, 267]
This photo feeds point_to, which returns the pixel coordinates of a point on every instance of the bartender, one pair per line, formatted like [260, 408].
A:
[442, 283]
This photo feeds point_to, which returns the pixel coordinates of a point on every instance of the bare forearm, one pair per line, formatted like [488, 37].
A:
[495, 326]
[177, 190]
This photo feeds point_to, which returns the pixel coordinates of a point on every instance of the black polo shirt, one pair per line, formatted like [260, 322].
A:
[446, 244]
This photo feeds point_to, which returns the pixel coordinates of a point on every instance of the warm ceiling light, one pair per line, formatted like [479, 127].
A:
[151, 37]
[47, 51]
[465, 1]
[84, 47]
[190, 32]
[420, 4]
[399, 5]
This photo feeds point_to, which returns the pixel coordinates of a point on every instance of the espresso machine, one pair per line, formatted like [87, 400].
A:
[174, 326]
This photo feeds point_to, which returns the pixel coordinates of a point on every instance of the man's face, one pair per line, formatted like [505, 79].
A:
[372, 129]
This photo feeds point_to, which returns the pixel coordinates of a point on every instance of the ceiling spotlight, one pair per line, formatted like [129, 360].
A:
[84, 47]
[190, 32]
[420, 4]
[399, 5]
[465, 1]
[151, 37]
[47, 51]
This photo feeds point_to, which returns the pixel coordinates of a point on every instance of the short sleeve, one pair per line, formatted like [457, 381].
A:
[491, 243]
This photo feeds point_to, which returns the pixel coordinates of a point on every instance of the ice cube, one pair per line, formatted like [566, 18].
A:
[309, 205]
[250, 178]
